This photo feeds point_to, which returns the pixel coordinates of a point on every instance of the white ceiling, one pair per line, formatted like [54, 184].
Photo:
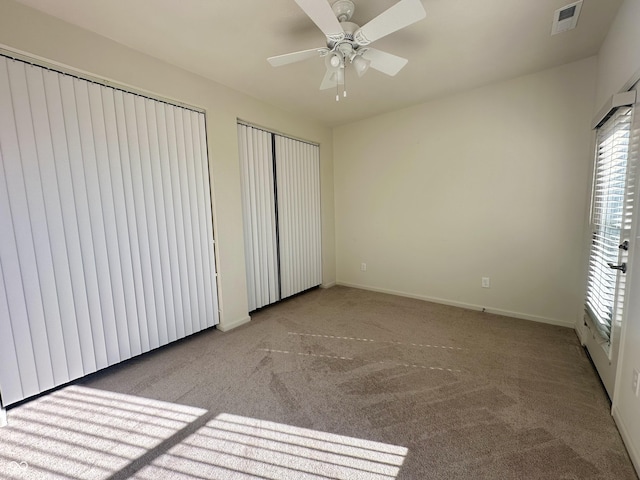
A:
[460, 45]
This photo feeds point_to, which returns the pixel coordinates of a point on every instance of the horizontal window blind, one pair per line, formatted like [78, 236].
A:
[612, 202]
[106, 240]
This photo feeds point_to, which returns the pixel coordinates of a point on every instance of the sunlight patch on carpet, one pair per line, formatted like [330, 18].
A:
[232, 446]
[84, 433]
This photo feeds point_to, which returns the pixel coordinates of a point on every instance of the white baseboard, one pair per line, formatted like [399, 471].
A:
[581, 332]
[226, 326]
[634, 454]
[581, 329]
[328, 285]
[468, 306]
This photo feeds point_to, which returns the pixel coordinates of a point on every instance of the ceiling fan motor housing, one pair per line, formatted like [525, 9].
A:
[349, 32]
[347, 48]
[343, 10]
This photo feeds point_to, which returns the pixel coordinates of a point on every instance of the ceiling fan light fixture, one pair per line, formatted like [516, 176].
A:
[360, 64]
[333, 61]
[338, 76]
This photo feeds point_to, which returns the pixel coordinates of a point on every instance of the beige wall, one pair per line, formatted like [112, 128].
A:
[618, 59]
[27, 30]
[492, 182]
[618, 66]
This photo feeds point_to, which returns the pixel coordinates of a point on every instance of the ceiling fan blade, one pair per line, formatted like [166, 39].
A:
[384, 62]
[402, 14]
[322, 15]
[293, 57]
[331, 77]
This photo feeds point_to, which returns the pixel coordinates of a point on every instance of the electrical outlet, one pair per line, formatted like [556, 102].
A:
[363, 267]
[486, 282]
[634, 382]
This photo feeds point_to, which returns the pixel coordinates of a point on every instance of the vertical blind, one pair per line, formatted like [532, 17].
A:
[281, 213]
[106, 241]
[611, 214]
[298, 186]
[259, 216]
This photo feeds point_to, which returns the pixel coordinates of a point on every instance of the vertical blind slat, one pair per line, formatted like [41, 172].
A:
[253, 231]
[288, 183]
[247, 213]
[210, 280]
[269, 202]
[204, 240]
[9, 366]
[198, 214]
[260, 227]
[186, 216]
[195, 218]
[265, 190]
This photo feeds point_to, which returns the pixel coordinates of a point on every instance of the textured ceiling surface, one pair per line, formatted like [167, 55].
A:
[461, 44]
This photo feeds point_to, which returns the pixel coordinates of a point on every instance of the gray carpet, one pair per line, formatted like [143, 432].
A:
[339, 384]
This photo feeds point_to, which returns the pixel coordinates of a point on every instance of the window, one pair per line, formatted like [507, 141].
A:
[610, 216]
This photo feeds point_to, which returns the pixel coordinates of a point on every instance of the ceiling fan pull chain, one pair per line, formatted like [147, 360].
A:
[344, 85]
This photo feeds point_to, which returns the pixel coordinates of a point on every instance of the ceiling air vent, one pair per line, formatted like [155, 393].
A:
[566, 18]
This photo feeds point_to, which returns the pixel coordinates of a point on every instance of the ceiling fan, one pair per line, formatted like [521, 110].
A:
[348, 43]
